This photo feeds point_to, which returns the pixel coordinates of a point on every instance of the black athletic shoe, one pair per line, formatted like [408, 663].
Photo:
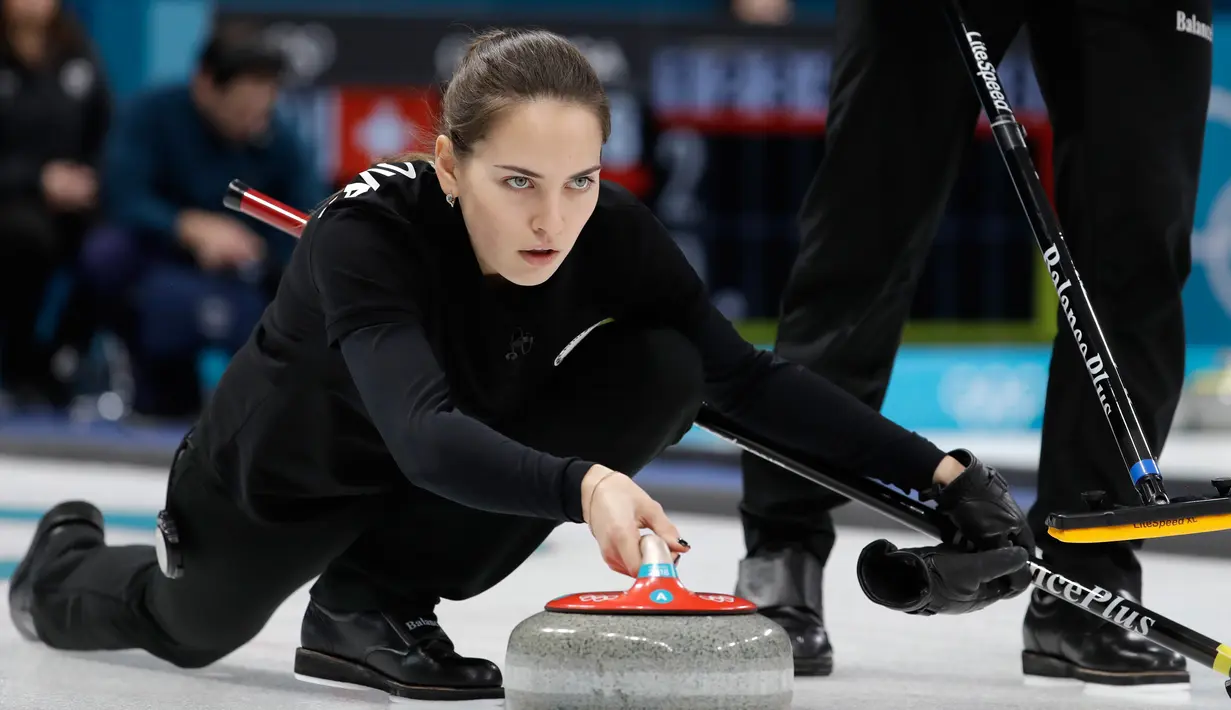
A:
[786, 587]
[810, 645]
[411, 659]
[1062, 641]
[67, 526]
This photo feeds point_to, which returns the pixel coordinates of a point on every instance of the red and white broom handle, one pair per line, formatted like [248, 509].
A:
[263, 208]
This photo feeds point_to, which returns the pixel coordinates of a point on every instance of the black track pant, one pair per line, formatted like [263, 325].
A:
[620, 402]
[34, 242]
[1127, 94]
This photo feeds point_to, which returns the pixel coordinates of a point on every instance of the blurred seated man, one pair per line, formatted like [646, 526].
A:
[54, 111]
[180, 275]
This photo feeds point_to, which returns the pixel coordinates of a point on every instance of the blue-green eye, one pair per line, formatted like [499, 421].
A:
[581, 183]
[513, 182]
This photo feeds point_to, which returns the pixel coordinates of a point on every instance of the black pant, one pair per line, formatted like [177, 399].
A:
[34, 241]
[619, 401]
[1127, 96]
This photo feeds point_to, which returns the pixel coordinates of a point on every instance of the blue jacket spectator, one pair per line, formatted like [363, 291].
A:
[183, 275]
[167, 159]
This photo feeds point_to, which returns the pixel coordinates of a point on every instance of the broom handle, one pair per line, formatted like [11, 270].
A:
[1074, 301]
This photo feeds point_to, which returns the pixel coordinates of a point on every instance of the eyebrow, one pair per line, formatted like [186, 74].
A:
[531, 173]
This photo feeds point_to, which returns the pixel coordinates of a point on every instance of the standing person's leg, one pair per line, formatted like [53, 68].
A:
[72, 591]
[1128, 92]
[901, 113]
[619, 399]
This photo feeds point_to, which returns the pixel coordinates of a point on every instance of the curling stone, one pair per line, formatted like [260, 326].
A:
[656, 645]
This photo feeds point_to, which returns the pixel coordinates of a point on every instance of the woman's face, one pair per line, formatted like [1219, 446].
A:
[528, 188]
[30, 12]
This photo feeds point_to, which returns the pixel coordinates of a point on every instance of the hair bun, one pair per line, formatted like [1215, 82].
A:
[503, 67]
[484, 38]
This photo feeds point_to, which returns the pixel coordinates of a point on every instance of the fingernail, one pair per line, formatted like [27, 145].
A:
[684, 542]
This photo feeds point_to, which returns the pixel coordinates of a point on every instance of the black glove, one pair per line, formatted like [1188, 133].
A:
[979, 504]
[941, 579]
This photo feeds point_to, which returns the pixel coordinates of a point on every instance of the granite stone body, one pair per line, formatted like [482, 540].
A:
[648, 662]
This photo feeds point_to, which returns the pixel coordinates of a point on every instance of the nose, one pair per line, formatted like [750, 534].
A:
[548, 222]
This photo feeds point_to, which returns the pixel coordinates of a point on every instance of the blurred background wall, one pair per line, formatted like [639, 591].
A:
[719, 124]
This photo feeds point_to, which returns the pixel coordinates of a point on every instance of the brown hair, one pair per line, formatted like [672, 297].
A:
[65, 35]
[503, 68]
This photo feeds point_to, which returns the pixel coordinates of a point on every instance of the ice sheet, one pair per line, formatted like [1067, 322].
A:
[883, 659]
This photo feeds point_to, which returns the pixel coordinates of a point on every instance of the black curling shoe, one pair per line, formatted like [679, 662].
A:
[411, 659]
[785, 585]
[810, 645]
[1062, 641]
[66, 526]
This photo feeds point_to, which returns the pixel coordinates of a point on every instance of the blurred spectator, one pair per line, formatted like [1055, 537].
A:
[54, 112]
[179, 275]
[763, 12]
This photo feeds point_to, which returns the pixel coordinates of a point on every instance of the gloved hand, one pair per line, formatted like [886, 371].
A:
[940, 580]
[979, 504]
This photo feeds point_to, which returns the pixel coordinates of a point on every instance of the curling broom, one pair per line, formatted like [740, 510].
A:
[1157, 516]
[883, 499]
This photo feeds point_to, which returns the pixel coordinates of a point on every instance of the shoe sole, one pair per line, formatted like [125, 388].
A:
[811, 667]
[323, 669]
[1042, 665]
[69, 513]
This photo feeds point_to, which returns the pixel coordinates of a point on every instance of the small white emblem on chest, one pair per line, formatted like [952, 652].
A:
[575, 341]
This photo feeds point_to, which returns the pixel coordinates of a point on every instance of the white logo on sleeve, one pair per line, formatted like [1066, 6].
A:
[1191, 25]
[575, 341]
[367, 179]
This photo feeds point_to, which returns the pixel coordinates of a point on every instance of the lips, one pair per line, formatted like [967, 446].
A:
[538, 257]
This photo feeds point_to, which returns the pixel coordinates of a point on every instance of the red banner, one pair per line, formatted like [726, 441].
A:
[377, 123]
